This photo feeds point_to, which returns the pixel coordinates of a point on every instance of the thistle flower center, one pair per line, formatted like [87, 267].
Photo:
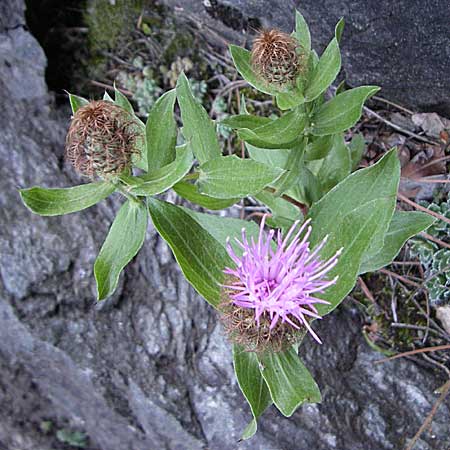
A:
[279, 280]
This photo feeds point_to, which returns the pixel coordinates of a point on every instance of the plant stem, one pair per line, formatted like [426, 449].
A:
[303, 208]
[125, 193]
[191, 176]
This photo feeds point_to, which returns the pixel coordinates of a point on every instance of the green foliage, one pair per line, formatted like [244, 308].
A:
[436, 260]
[289, 381]
[197, 127]
[356, 215]
[299, 155]
[159, 180]
[200, 256]
[124, 240]
[55, 202]
[252, 384]
[73, 438]
[190, 192]
[161, 130]
[109, 22]
[230, 176]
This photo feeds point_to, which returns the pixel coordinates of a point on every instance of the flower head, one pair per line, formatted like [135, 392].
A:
[270, 296]
[276, 57]
[101, 140]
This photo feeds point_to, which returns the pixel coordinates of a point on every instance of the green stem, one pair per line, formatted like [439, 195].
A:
[118, 185]
[191, 176]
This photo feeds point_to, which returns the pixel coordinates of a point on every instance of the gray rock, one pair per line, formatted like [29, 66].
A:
[150, 368]
[402, 46]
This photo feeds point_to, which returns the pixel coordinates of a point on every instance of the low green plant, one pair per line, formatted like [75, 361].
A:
[266, 291]
[435, 260]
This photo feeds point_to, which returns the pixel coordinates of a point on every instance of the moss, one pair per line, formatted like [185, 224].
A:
[109, 22]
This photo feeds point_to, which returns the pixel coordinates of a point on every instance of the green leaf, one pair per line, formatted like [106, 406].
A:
[279, 206]
[280, 133]
[242, 61]
[124, 240]
[325, 72]
[289, 381]
[245, 121]
[319, 147]
[271, 157]
[339, 29]
[356, 147]
[309, 189]
[197, 126]
[336, 165]
[190, 192]
[200, 256]
[160, 180]
[252, 384]
[301, 32]
[230, 176]
[161, 131]
[122, 101]
[403, 226]
[293, 172]
[222, 228]
[356, 215]
[107, 97]
[55, 202]
[342, 111]
[77, 102]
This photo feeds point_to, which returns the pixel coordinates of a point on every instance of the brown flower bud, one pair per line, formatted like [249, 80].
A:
[276, 57]
[242, 329]
[102, 139]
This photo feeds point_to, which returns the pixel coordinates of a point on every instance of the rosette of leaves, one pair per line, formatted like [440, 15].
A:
[302, 153]
[435, 260]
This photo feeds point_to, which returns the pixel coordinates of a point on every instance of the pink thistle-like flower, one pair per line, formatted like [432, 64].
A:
[278, 280]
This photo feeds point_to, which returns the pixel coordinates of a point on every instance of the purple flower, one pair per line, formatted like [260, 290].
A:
[279, 279]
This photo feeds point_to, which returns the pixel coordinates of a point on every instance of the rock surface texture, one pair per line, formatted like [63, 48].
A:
[149, 368]
[402, 46]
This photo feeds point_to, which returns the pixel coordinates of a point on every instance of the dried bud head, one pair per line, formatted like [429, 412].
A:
[242, 329]
[102, 139]
[276, 57]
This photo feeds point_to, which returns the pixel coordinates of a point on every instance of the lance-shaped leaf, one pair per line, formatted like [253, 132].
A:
[122, 101]
[283, 132]
[160, 180]
[404, 225]
[222, 228]
[200, 256]
[271, 157]
[339, 29]
[289, 381]
[124, 240]
[55, 202]
[252, 384]
[161, 131]
[190, 192]
[242, 61]
[245, 121]
[336, 165]
[325, 72]
[356, 215]
[76, 102]
[356, 147]
[294, 167]
[230, 176]
[301, 32]
[318, 148]
[342, 111]
[197, 126]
